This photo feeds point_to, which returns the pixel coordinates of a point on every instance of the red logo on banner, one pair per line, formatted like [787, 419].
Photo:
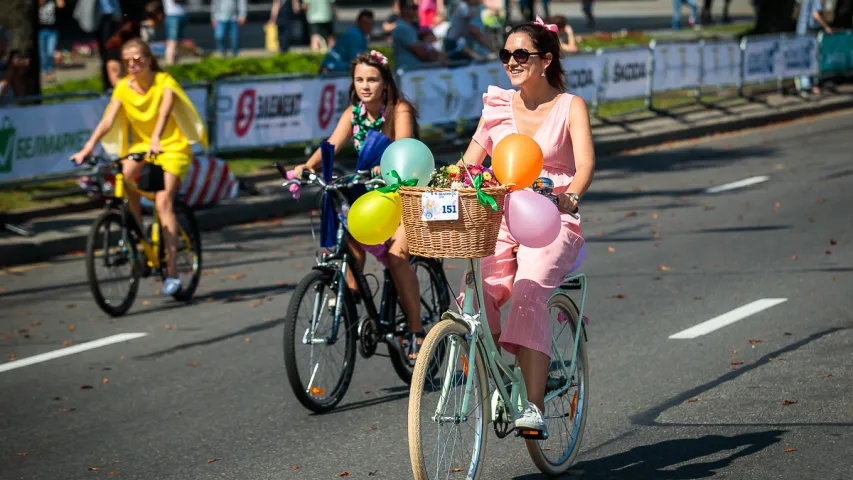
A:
[327, 106]
[245, 112]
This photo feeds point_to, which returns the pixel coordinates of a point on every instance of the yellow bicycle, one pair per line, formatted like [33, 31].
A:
[116, 249]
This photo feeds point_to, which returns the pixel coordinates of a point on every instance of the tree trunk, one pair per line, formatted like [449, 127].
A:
[20, 20]
[774, 16]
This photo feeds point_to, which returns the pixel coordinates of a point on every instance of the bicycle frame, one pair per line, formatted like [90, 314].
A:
[486, 346]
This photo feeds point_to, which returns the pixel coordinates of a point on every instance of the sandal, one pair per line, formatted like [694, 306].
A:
[415, 341]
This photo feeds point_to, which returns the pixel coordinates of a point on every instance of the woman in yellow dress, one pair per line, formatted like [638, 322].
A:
[150, 113]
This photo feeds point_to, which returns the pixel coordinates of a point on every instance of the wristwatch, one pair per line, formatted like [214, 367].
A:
[575, 196]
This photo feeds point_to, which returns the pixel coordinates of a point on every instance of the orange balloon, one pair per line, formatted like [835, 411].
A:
[517, 159]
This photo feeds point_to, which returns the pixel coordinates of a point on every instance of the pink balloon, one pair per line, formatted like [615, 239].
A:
[532, 218]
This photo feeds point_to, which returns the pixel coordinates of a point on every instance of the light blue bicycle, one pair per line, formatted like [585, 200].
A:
[449, 412]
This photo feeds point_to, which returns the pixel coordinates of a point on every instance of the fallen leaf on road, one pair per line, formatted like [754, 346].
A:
[372, 427]
[734, 352]
[12, 357]
[611, 249]
[753, 341]
[789, 450]
[294, 468]
[698, 297]
[547, 449]
[193, 364]
[835, 278]
[59, 399]
[112, 473]
[34, 324]
[737, 363]
[657, 278]
[257, 303]
[637, 189]
[620, 296]
[693, 400]
[450, 267]
[21, 454]
[236, 276]
[789, 402]
[247, 340]
[146, 302]
[70, 305]
[344, 474]
[827, 375]
[832, 241]
[7, 336]
[170, 327]
[72, 327]
[655, 215]
[370, 474]
[86, 387]
[93, 469]
[299, 265]
[776, 206]
[820, 200]
[106, 380]
[664, 268]
[794, 257]
[454, 470]
[204, 273]
[67, 343]
[121, 357]
[828, 252]
[66, 409]
[209, 299]
[600, 234]
[631, 214]
[212, 460]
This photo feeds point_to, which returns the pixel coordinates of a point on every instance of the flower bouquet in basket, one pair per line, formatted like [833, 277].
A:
[455, 211]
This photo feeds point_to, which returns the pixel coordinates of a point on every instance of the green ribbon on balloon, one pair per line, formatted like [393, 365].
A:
[399, 182]
[483, 197]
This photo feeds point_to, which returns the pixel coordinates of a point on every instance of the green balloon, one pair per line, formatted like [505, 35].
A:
[411, 158]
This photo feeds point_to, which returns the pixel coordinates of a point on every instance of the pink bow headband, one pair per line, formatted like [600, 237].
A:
[549, 26]
[378, 55]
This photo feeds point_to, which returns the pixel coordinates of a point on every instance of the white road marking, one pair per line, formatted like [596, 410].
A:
[739, 184]
[728, 318]
[122, 337]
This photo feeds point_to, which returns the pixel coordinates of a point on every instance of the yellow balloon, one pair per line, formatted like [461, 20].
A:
[374, 217]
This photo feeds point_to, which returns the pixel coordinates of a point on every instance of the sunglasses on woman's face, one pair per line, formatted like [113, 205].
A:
[130, 61]
[521, 55]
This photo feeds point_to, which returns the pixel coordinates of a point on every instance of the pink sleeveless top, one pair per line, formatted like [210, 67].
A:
[553, 135]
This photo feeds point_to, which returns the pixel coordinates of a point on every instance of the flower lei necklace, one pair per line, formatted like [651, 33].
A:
[360, 124]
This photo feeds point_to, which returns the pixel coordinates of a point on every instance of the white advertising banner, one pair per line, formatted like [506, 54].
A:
[439, 94]
[325, 101]
[799, 56]
[482, 76]
[263, 113]
[38, 140]
[624, 74]
[198, 97]
[762, 61]
[721, 63]
[583, 75]
[677, 66]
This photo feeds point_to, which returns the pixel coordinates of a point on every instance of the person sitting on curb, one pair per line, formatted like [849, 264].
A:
[349, 45]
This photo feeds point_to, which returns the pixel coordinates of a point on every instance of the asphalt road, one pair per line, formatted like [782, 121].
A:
[204, 395]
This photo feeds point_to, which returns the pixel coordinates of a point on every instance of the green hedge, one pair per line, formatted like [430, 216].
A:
[212, 67]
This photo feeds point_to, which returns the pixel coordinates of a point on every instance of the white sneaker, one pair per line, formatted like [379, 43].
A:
[531, 418]
[171, 286]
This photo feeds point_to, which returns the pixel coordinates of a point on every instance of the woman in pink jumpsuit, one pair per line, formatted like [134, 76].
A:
[559, 122]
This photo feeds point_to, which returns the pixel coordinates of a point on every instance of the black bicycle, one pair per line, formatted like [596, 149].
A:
[117, 234]
[325, 339]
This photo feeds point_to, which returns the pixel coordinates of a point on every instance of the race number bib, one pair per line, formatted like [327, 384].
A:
[439, 206]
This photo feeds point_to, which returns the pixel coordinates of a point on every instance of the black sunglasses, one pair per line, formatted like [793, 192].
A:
[521, 55]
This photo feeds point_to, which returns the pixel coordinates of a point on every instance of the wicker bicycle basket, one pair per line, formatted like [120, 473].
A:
[473, 235]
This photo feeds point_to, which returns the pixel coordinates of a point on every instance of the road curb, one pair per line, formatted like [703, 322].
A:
[249, 209]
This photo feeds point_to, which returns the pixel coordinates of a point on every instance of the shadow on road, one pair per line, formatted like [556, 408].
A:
[657, 460]
[684, 159]
[259, 327]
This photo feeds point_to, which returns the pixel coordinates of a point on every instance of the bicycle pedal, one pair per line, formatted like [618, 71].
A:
[531, 434]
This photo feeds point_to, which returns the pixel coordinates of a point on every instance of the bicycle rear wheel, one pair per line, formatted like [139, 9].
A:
[111, 245]
[435, 300]
[566, 413]
[307, 327]
[436, 407]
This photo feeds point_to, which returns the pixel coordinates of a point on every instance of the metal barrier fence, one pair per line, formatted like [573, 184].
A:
[275, 110]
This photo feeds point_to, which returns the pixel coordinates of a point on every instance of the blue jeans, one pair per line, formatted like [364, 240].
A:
[233, 30]
[175, 26]
[47, 45]
[676, 14]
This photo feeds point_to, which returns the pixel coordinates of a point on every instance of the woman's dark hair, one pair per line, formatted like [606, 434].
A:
[392, 96]
[127, 31]
[545, 41]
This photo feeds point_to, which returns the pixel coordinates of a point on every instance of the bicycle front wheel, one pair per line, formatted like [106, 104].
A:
[447, 440]
[567, 409]
[319, 355]
[111, 264]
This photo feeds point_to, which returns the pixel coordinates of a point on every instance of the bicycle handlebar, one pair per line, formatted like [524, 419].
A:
[544, 186]
[361, 177]
[94, 160]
